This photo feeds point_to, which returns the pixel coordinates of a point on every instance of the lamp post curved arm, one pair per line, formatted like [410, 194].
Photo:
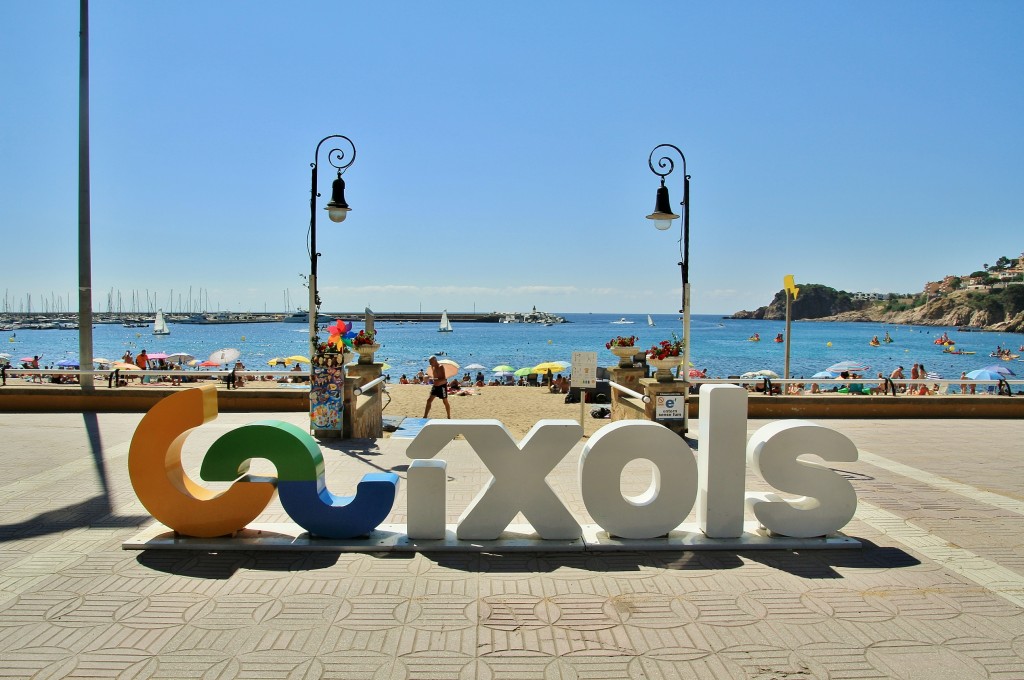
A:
[663, 217]
[337, 209]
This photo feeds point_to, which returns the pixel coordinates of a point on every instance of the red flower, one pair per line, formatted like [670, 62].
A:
[620, 341]
[363, 338]
[666, 349]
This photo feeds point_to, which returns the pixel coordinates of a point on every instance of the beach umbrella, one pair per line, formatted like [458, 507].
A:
[193, 362]
[763, 373]
[985, 374]
[27, 359]
[824, 375]
[474, 367]
[504, 368]
[999, 369]
[277, 361]
[849, 366]
[932, 375]
[180, 357]
[209, 363]
[68, 363]
[225, 356]
[385, 366]
[450, 367]
[5, 355]
[523, 372]
[553, 366]
[503, 374]
[297, 358]
[124, 366]
[101, 361]
[696, 373]
[156, 355]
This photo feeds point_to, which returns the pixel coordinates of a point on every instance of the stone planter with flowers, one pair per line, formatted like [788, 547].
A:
[665, 356]
[624, 347]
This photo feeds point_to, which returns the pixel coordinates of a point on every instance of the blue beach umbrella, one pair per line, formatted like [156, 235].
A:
[985, 374]
[995, 368]
[68, 363]
[824, 375]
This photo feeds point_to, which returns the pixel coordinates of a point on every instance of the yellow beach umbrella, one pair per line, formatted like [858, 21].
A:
[277, 361]
[298, 359]
[553, 366]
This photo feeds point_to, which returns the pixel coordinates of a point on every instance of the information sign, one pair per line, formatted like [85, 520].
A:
[584, 370]
[669, 407]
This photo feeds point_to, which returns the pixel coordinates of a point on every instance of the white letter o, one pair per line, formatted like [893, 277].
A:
[653, 513]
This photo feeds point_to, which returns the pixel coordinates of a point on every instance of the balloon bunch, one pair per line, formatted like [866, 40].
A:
[341, 334]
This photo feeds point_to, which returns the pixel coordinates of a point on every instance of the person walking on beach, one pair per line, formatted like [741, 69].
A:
[439, 389]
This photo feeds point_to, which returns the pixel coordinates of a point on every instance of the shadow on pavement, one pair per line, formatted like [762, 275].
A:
[92, 512]
[221, 566]
[813, 564]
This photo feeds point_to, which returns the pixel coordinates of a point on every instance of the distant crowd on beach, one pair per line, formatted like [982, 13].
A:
[920, 382]
[557, 383]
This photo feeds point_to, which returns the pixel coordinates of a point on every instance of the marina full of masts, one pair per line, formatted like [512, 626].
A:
[13, 321]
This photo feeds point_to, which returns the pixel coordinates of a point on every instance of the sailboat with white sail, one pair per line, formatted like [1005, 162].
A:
[446, 325]
[160, 325]
[650, 321]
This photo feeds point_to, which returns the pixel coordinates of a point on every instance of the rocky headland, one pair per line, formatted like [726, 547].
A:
[960, 308]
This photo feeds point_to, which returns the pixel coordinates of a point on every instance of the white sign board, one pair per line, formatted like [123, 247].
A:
[584, 370]
[669, 407]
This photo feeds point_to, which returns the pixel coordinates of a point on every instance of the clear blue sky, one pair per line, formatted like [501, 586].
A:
[502, 149]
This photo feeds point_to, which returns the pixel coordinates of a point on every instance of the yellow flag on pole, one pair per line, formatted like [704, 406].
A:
[790, 285]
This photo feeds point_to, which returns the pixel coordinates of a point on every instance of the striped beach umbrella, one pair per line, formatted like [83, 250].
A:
[849, 366]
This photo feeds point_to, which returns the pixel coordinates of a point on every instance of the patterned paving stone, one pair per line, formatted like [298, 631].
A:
[72, 604]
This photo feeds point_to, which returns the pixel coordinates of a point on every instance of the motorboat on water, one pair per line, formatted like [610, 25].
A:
[623, 320]
[302, 316]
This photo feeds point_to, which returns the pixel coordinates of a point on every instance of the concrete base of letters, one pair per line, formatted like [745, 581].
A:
[517, 538]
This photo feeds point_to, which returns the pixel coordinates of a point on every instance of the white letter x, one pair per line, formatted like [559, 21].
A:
[518, 483]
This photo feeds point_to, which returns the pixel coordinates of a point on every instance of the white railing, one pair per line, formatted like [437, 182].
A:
[369, 386]
[625, 390]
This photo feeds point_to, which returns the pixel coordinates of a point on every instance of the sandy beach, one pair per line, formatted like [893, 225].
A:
[519, 408]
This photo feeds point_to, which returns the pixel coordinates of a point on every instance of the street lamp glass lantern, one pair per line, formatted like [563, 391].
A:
[662, 214]
[337, 209]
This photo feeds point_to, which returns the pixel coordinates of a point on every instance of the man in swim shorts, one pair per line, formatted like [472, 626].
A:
[439, 389]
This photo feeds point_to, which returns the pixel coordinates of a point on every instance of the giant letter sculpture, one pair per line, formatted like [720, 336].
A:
[518, 483]
[301, 486]
[827, 500]
[160, 482]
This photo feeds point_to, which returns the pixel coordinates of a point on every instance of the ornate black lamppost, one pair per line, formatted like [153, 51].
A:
[337, 209]
[663, 217]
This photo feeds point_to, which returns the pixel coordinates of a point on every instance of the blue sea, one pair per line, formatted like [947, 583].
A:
[718, 345]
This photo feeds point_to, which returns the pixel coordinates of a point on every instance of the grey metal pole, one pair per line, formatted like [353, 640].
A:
[685, 264]
[84, 237]
[312, 265]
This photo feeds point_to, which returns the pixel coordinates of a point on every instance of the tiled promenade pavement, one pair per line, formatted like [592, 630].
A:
[937, 591]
